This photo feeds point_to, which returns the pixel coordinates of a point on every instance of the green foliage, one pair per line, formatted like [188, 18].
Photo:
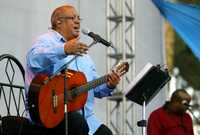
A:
[184, 59]
[190, 1]
[187, 63]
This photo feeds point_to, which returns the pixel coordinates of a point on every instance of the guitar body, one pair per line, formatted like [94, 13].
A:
[46, 101]
[46, 95]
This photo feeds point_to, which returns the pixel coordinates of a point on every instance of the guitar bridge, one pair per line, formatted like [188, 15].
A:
[54, 101]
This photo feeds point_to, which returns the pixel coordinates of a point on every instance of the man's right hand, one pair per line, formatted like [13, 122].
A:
[75, 47]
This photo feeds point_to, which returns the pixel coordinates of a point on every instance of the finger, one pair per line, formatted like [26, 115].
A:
[115, 74]
[83, 46]
[114, 78]
[111, 83]
[82, 51]
[79, 53]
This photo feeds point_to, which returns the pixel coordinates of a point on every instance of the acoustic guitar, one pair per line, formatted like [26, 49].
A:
[46, 95]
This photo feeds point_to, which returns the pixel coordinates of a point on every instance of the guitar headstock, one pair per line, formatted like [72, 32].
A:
[121, 68]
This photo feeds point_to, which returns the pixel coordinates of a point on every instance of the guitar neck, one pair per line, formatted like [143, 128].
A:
[90, 85]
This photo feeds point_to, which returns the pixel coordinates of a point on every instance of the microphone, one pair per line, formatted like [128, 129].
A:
[185, 103]
[96, 37]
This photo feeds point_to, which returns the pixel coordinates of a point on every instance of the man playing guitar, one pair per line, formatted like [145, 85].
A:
[49, 52]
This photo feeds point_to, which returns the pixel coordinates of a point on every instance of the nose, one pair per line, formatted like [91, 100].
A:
[77, 19]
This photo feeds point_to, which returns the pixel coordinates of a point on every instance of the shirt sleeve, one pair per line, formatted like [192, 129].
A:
[103, 91]
[153, 126]
[42, 56]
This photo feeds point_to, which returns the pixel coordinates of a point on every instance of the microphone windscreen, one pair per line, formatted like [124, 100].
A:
[85, 31]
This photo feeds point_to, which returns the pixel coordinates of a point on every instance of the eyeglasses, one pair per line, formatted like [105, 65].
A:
[73, 18]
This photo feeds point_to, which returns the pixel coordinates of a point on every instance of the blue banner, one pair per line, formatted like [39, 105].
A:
[185, 19]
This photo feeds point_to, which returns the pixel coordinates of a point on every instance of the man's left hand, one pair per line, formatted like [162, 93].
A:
[113, 80]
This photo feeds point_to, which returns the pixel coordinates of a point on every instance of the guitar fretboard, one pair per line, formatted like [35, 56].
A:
[92, 84]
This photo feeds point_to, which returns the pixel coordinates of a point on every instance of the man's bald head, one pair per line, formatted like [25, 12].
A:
[57, 13]
[179, 95]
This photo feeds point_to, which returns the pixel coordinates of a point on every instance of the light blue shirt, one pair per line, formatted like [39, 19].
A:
[47, 56]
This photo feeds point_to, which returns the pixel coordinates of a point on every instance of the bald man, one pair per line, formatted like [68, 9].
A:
[52, 50]
[172, 119]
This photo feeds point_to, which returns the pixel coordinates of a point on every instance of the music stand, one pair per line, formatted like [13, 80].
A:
[145, 86]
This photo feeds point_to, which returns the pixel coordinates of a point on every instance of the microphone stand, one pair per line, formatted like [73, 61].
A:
[65, 67]
[1, 126]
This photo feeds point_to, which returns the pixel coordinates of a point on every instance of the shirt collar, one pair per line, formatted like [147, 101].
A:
[58, 36]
